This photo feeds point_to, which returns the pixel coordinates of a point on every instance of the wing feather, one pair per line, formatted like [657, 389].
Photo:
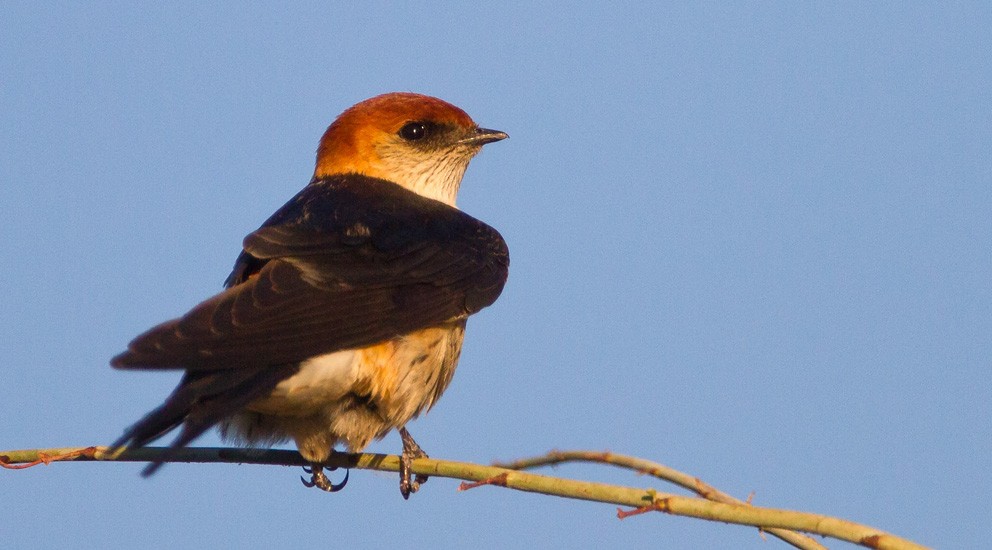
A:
[349, 262]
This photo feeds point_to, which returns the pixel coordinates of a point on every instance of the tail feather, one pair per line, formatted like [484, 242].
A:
[201, 400]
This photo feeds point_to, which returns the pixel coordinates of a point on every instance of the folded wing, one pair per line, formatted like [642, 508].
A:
[349, 262]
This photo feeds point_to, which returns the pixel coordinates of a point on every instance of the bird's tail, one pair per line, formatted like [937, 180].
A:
[202, 399]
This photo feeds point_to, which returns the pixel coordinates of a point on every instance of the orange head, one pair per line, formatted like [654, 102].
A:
[417, 141]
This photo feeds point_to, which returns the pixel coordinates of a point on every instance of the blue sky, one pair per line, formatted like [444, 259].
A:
[752, 242]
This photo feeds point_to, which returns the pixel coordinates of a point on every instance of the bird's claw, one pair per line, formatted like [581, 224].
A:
[407, 486]
[320, 481]
[411, 452]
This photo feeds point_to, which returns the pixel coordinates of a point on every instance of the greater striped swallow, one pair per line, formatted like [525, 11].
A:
[344, 315]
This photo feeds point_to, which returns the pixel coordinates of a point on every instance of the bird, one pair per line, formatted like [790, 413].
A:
[344, 315]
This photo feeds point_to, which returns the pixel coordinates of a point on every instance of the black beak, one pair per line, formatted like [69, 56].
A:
[483, 136]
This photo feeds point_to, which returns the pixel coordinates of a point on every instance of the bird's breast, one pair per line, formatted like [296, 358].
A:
[405, 376]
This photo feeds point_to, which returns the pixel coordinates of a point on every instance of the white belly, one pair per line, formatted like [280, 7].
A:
[321, 380]
[353, 396]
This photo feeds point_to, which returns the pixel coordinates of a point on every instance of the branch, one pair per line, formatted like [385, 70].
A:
[659, 471]
[643, 500]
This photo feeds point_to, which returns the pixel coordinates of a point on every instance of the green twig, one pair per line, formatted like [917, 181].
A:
[642, 500]
[659, 471]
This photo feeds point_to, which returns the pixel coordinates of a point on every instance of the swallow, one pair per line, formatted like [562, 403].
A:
[344, 315]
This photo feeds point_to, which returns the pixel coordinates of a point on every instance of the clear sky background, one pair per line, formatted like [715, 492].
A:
[752, 242]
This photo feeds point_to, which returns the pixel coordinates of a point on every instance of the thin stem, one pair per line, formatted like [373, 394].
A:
[640, 499]
[659, 471]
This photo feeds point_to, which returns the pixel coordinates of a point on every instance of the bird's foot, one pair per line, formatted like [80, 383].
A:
[320, 481]
[411, 452]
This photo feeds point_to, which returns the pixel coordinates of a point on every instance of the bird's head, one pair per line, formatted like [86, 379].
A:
[419, 142]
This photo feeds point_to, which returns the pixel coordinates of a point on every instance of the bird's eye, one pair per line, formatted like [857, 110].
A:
[413, 131]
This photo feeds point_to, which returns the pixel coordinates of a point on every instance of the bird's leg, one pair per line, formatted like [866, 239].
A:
[320, 481]
[411, 451]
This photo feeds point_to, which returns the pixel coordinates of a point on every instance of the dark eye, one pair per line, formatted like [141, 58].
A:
[413, 131]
